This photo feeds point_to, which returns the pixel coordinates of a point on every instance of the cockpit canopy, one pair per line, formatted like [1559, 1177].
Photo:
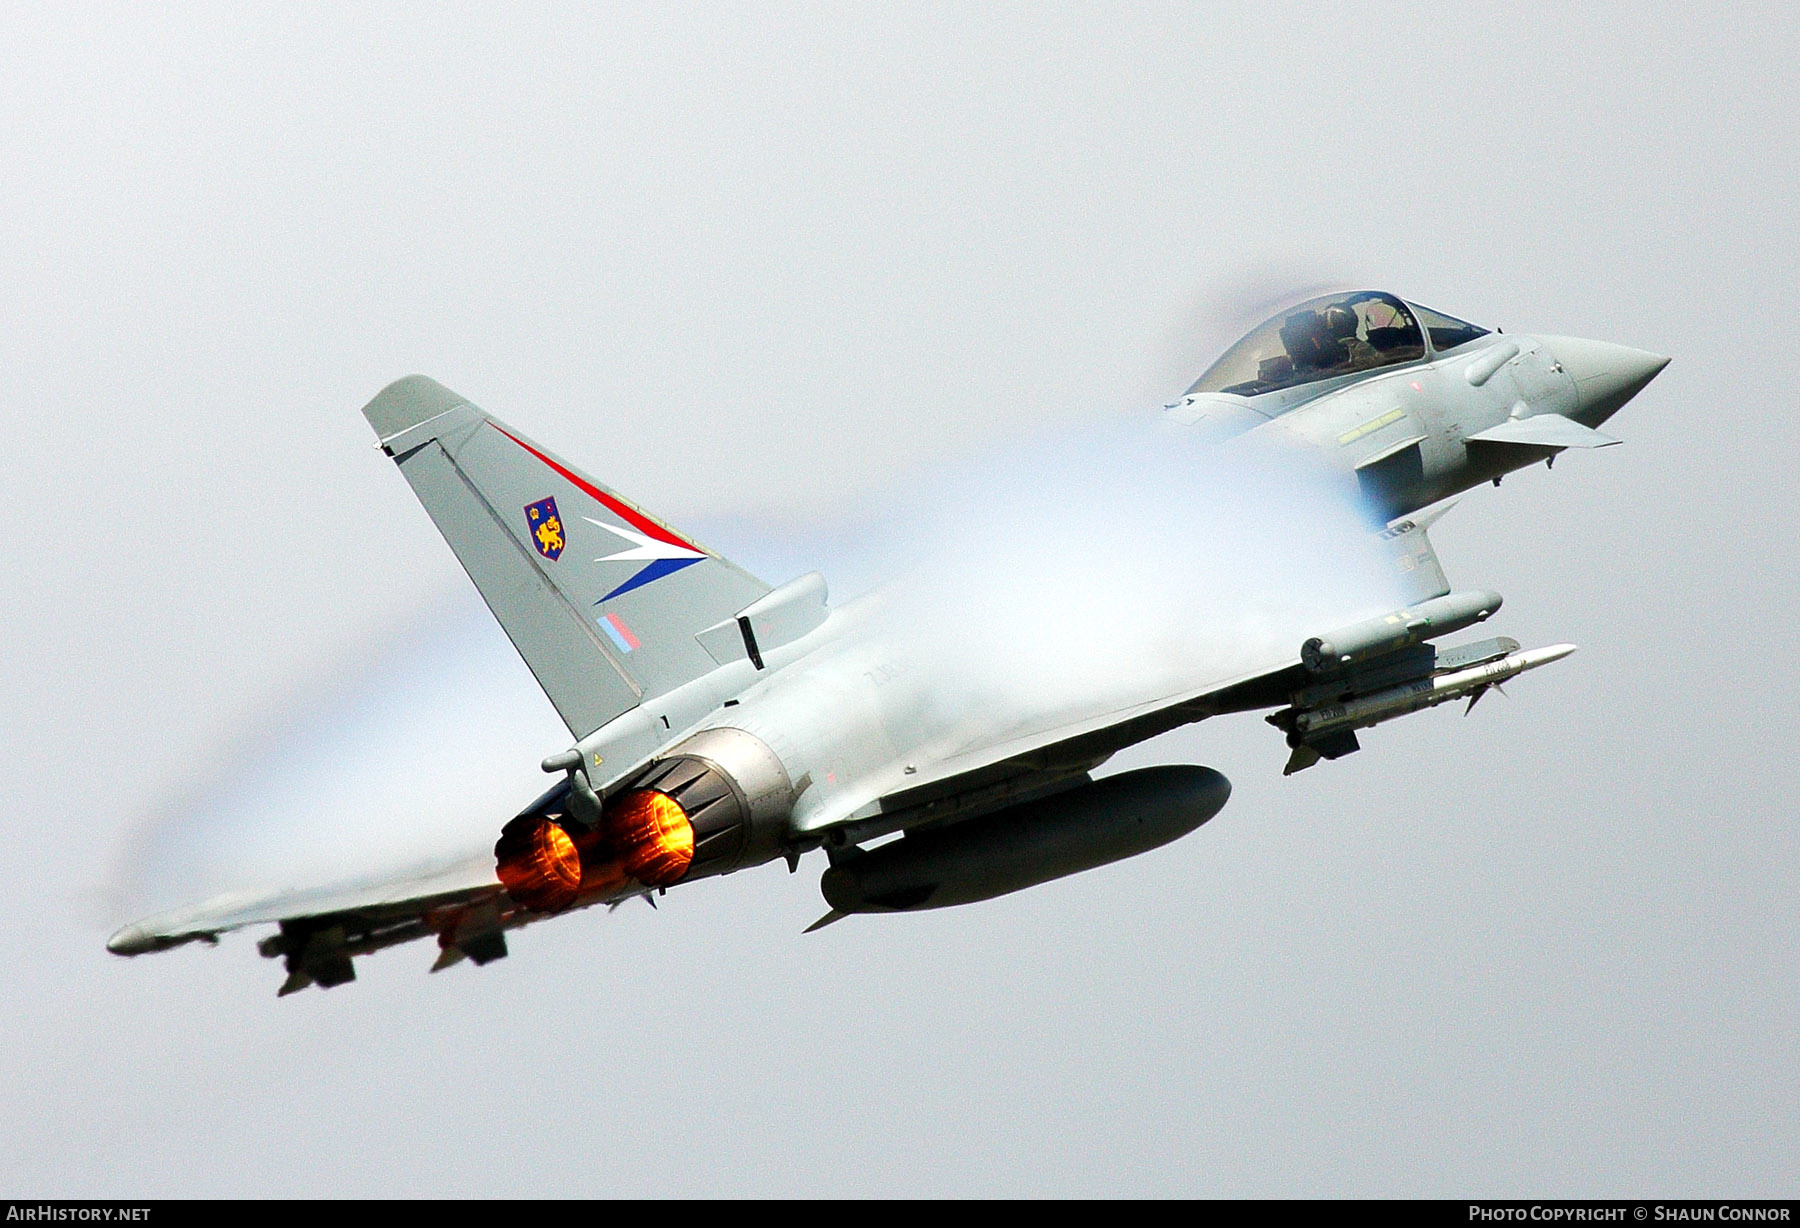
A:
[1329, 336]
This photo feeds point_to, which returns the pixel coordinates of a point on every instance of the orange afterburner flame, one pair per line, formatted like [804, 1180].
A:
[645, 836]
[538, 864]
[654, 835]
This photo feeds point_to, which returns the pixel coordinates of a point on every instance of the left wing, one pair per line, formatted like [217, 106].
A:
[322, 928]
[461, 903]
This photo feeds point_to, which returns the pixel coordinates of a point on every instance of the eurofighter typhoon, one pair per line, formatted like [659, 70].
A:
[719, 723]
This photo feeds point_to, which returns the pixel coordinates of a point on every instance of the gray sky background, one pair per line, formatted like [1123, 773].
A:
[754, 266]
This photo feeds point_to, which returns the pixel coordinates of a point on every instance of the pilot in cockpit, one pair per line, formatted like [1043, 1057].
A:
[1341, 325]
[1333, 335]
[1310, 345]
[1325, 341]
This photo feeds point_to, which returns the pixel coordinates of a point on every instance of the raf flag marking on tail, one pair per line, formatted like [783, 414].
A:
[546, 528]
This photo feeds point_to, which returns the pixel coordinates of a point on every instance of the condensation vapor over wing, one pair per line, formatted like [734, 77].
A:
[404, 758]
[1058, 578]
[1108, 564]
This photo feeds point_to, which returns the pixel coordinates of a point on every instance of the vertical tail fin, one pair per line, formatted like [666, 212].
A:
[601, 600]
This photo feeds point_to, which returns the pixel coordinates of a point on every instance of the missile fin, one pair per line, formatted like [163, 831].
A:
[1303, 757]
[483, 946]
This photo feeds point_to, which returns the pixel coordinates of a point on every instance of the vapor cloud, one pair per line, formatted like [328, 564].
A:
[410, 750]
[1083, 570]
[1116, 563]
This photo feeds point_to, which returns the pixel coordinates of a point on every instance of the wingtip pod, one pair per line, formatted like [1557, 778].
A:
[406, 403]
[137, 940]
[131, 940]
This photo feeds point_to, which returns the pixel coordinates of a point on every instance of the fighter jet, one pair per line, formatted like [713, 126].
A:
[719, 723]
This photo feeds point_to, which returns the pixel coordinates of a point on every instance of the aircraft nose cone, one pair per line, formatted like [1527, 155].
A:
[1606, 375]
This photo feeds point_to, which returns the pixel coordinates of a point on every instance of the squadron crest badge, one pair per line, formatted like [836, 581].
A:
[546, 528]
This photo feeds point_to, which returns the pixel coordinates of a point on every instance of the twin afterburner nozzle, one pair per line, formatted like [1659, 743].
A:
[714, 803]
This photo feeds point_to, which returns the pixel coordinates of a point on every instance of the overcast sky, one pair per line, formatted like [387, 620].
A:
[754, 266]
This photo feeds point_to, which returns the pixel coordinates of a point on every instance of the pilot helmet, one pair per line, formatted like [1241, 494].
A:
[1340, 321]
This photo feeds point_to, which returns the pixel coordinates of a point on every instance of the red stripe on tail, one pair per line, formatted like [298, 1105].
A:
[623, 511]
